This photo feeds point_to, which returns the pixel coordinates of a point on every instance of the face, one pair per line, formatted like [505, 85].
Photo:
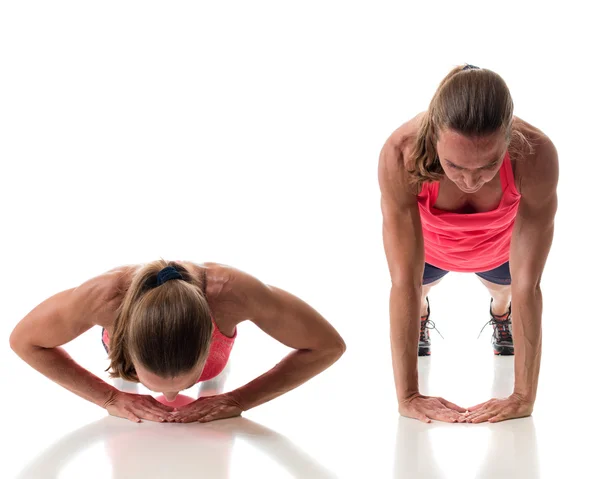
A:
[471, 162]
[169, 387]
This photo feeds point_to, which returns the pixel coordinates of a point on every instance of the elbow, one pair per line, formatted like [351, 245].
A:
[337, 348]
[19, 342]
[15, 341]
[341, 347]
[407, 281]
[526, 286]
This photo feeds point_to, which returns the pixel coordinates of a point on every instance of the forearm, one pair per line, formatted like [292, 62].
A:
[405, 305]
[57, 365]
[295, 369]
[527, 337]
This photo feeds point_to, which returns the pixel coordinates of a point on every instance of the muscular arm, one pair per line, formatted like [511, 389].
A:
[292, 322]
[405, 252]
[530, 245]
[61, 318]
[403, 243]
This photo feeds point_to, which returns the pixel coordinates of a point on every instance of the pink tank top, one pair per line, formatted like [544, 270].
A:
[472, 242]
[218, 353]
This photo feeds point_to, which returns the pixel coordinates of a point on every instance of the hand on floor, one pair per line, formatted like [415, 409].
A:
[426, 408]
[208, 408]
[496, 410]
[136, 407]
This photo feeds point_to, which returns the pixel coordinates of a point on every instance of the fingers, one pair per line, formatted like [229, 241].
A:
[166, 415]
[188, 418]
[209, 418]
[499, 418]
[451, 405]
[474, 415]
[485, 413]
[479, 406]
[132, 417]
[484, 417]
[426, 408]
[440, 413]
[160, 405]
[422, 417]
[155, 407]
[225, 414]
[149, 414]
[156, 412]
[445, 415]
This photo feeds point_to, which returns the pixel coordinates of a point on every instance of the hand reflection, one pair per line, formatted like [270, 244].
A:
[440, 450]
[115, 448]
[172, 450]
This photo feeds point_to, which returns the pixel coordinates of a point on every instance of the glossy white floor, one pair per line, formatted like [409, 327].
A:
[341, 424]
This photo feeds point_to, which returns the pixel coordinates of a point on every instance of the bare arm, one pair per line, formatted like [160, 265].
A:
[530, 245]
[403, 243]
[292, 322]
[61, 318]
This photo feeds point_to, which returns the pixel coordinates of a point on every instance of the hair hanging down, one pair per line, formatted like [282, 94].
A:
[164, 323]
[472, 101]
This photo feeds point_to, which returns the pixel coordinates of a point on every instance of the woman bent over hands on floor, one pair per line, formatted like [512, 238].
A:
[468, 187]
[170, 325]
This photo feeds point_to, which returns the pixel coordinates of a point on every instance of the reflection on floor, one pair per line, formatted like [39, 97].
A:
[321, 430]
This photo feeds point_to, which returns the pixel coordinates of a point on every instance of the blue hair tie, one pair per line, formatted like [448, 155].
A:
[471, 67]
[167, 274]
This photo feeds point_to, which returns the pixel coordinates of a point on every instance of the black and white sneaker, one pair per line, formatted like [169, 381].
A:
[502, 339]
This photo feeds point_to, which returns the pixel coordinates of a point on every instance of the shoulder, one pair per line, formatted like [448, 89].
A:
[395, 157]
[216, 277]
[102, 295]
[225, 284]
[232, 294]
[536, 168]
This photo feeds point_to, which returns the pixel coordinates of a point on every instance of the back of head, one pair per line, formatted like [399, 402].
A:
[164, 323]
[471, 101]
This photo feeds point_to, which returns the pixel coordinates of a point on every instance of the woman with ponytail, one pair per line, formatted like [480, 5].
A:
[169, 325]
[468, 187]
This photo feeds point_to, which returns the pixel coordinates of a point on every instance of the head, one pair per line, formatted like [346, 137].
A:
[466, 131]
[163, 330]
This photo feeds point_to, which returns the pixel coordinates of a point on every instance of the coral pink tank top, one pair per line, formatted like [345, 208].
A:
[473, 242]
[218, 353]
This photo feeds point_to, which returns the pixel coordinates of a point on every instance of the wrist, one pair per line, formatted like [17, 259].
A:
[108, 398]
[407, 394]
[524, 396]
[238, 398]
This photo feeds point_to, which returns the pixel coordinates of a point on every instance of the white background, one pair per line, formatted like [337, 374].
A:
[248, 133]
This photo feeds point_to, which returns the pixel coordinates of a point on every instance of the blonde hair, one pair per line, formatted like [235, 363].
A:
[471, 101]
[165, 328]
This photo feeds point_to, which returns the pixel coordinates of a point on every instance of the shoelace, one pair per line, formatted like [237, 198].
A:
[501, 326]
[429, 324]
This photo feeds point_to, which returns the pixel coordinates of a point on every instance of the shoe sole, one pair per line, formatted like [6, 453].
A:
[504, 350]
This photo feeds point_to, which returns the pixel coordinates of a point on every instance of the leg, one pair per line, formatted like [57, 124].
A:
[431, 277]
[424, 292]
[500, 296]
[498, 281]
